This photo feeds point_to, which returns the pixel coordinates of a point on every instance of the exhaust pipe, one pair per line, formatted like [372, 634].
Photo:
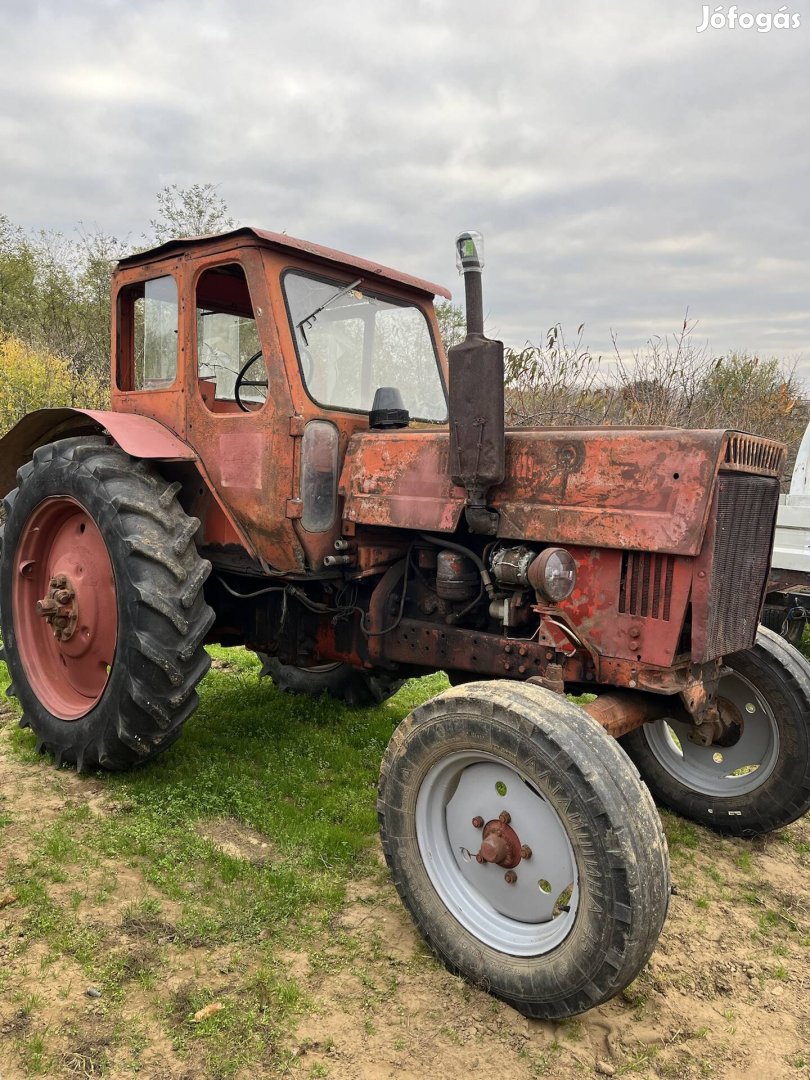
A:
[477, 438]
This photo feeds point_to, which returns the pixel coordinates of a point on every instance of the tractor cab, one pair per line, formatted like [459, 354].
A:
[265, 354]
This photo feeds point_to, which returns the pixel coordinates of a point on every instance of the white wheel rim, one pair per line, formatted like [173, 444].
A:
[536, 913]
[721, 771]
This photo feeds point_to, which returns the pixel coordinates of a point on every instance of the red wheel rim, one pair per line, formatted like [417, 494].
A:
[61, 543]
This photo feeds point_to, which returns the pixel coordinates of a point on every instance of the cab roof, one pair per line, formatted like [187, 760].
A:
[282, 242]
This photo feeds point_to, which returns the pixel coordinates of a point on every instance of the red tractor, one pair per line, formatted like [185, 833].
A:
[291, 464]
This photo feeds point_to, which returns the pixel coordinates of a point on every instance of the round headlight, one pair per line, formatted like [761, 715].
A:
[553, 574]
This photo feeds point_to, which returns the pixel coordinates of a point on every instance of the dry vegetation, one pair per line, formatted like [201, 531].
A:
[673, 380]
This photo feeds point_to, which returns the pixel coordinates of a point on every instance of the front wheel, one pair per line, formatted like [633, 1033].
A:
[759, 779]
[522, 842]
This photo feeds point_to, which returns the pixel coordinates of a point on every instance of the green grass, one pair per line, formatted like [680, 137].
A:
[302, 773]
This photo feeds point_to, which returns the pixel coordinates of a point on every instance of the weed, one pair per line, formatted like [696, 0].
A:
[572, 1029]
[715, 875]
[28, 1003]
[635, 994]
[34, 1056]
[743, 862]
[638, 1062]
[682, 837]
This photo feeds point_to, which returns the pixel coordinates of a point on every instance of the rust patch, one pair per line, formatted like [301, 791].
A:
[240, 460]
[634, 489]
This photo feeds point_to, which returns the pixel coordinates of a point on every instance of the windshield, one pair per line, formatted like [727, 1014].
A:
[350, 342]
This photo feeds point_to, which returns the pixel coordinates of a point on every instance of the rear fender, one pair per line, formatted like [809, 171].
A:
[139, 436]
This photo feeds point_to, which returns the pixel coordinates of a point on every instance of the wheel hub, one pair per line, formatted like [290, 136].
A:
[60, 607]
[739, 758]
[500, 843]
[64, 606]
[508, 874]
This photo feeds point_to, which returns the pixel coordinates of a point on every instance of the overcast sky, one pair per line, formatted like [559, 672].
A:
[621, 165]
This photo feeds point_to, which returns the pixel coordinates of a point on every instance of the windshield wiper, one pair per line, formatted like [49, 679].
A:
[308, 320]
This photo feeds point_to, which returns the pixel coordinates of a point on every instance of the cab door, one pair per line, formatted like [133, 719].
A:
[239, 413]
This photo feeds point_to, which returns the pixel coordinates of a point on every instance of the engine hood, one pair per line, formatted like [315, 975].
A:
[645, 489]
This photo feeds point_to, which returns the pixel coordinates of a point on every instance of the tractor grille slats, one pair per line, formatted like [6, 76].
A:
[752, 454]
[746, 509]
[645, 587]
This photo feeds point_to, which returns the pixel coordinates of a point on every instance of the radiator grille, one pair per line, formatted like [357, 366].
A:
[646, 584]
[753, 454]
[746, 509]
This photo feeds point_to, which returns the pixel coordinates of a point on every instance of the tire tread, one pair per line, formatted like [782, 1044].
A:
[161, 628]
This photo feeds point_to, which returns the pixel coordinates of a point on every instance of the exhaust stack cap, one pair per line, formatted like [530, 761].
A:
[469, 252]
[388, 409]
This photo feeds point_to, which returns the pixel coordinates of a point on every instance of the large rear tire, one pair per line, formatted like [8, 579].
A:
[340, 681]
[566, 906]
[102, 605]
[760, 780]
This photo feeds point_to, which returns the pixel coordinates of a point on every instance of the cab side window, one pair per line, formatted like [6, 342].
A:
[147, 347]
[228, 346]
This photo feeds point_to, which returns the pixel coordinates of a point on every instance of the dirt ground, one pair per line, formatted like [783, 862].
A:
[725, 995]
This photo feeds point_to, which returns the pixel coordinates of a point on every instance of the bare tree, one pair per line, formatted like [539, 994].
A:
[673, 380]
[197, 210]
[555, 384]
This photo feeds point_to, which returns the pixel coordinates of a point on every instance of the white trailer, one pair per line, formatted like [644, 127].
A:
[787, 603]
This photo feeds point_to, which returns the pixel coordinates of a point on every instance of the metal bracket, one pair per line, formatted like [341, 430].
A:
[711, 724]
[297, 425]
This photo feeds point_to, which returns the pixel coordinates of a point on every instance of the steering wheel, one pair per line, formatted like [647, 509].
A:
[242, 381]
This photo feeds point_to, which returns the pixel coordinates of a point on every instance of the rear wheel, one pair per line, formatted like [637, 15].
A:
[103, 614]
[524, 845]
[340, 681]
[759, 779]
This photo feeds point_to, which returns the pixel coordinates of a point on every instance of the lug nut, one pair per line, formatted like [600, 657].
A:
[504, 817]
[510, 877]
[478, 822]
[525, 851]
[64, 596]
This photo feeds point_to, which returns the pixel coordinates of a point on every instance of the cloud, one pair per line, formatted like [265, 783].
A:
[621, 166]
